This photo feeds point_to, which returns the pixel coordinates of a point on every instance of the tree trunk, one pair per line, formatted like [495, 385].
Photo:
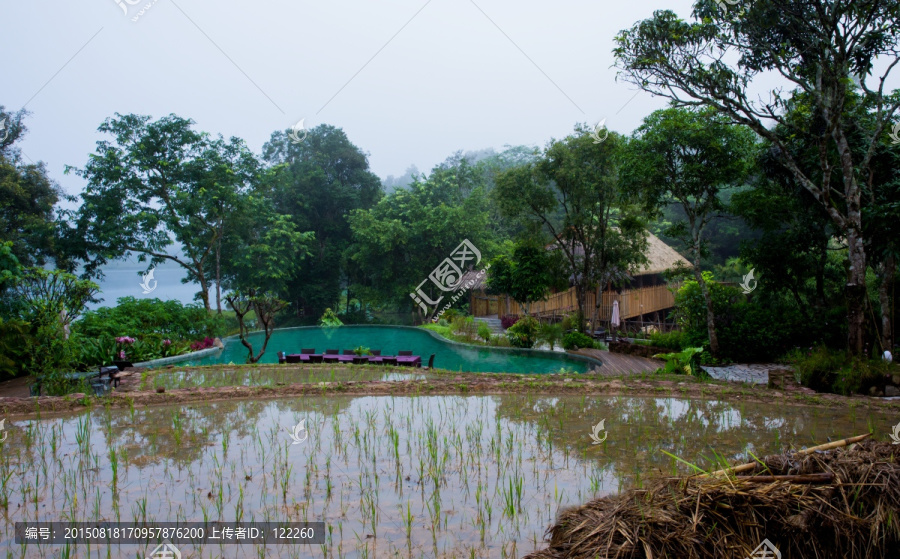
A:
[855, 291]
[204, 286]
[596, 315]
[888, 269]
[710, 313]
[219, 274]
[580, 297]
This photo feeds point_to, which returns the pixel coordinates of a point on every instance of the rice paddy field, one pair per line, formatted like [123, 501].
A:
[391, 476]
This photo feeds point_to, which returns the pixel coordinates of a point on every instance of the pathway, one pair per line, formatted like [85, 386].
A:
[619, 364]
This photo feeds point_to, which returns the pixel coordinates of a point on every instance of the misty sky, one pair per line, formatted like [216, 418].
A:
[449, 80]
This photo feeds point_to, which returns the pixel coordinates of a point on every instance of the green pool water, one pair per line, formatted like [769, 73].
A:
[392, 339]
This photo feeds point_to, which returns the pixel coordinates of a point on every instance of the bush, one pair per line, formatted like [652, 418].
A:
[464, 326]
[551, 333]
[687, 361]
[508, 320]
[577, 339]
[828, 370]
[524, 332]
[140, 317]
[667, 340]
[451, 314]
[758, 330]
[484, 331]
[330, 320]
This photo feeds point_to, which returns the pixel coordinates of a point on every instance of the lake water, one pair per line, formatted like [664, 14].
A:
[123, 279]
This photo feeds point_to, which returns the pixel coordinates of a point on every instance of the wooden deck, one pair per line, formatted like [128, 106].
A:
[619, 364]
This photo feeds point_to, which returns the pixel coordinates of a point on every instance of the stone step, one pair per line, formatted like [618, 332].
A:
[493, 323]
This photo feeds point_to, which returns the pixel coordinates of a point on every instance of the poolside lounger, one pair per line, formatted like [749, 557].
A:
[308, 351]
[404, 353]
[375, 352]
[388, 360]
[293, 358]
[316, 358]
[332, 351]
[349, 352]
[360, 360]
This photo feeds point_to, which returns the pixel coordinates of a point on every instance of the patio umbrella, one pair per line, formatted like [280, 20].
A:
[615, 314]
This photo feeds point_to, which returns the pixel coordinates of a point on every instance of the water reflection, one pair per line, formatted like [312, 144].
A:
[427, 476]
[269, 376]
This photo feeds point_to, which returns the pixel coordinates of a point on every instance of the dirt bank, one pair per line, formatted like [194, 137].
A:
[130, 393]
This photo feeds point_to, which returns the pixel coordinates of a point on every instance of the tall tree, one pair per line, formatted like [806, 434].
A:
[573, 193]
[159, 184]
[27, 197]
[527, 275]
[403, 237]
[690, 157]
[821, 47]
[327, 178]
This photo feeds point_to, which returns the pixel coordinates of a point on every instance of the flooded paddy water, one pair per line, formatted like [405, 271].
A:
[410, 476]
[207, 377]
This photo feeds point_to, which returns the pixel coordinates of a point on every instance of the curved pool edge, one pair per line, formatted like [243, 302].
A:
[520, 351]
[179, 358]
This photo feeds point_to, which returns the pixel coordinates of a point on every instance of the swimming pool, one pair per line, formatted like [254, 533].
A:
[391, 339]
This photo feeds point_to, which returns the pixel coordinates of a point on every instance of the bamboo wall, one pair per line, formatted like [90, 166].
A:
[632, 303]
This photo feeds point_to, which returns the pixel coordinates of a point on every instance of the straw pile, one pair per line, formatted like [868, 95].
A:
[842, 503]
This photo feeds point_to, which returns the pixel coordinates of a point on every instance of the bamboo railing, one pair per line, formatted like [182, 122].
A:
[632, 303]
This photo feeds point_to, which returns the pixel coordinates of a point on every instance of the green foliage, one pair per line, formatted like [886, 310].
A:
[13, 340]
[319, 183]
[687, 361]
[573, 193]
[159, 184]
[577, 339]
[527, 276]
[551, 333]
[836, 371]
[362, 350]
[330, 320]
[451, 314]
[142, 317]
[484, 331]
[464, 326]
[690, 307]
[524, 333]
[27, 198]
[667, 340]
[406, 234]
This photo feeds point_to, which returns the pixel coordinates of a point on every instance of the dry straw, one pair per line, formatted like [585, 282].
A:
[839, 503]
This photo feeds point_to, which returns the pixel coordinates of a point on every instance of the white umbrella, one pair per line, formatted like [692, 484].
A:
[615, 314]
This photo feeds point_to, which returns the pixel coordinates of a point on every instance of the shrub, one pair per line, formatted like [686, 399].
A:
[464, 326]
[524, 332]
[687, 361]
[202, 344]
[668, 340]
[828, 370]
[451, 314]
[551, 333]
[508, 320]
[330, 320]
[577, 339]
[140, 317]
[484, 331]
